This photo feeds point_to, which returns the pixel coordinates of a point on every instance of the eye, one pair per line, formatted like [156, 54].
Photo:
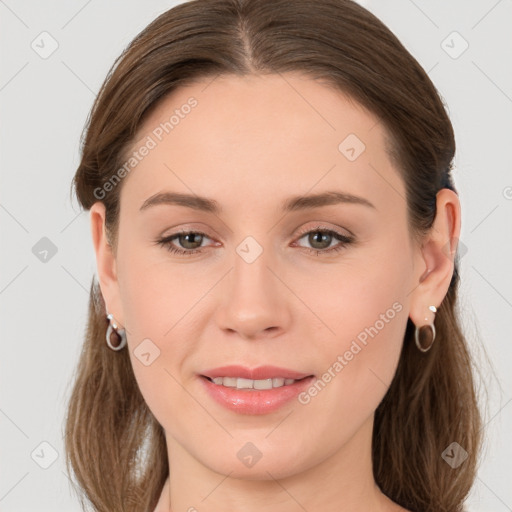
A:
[190, 240]
[320, 238]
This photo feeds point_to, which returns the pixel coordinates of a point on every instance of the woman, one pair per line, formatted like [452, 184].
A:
[275, 227]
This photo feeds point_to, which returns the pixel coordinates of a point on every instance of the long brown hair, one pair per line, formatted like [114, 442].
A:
[114, 445]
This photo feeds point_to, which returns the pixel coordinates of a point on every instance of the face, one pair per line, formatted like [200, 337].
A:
[254, 278]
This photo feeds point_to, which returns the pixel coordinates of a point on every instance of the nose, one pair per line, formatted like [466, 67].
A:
[255, 302]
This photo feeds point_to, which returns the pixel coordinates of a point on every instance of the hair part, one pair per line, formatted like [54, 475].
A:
[431, 401]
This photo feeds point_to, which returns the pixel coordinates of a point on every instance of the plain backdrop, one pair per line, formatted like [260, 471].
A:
[466, 48]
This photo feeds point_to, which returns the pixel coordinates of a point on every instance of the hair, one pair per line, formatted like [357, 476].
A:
[432, 400]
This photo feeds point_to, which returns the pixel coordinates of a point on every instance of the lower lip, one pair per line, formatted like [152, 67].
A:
[252, 401]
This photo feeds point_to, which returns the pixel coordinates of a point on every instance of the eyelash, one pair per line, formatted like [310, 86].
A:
[345, 241]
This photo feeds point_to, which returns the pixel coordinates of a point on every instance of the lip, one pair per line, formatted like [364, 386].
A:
[259, 373]
[251, 401]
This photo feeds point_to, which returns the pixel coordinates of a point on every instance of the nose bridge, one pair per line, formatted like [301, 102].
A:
[251, 274]
[254, 301]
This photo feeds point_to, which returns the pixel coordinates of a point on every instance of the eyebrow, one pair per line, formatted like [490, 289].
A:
[295, 203]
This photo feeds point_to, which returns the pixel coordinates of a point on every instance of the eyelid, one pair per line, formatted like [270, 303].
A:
[320, 226]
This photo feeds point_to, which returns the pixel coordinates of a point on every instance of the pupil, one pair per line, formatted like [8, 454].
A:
[192, 236]
[323, 236]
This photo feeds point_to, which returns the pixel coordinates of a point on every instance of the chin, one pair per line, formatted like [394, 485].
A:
[281, 463]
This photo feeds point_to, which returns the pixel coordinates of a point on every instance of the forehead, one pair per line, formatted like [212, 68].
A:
[260, 139]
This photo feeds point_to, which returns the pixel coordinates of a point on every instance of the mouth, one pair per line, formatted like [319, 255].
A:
[253, 374]
[252, 384]
[260, 390]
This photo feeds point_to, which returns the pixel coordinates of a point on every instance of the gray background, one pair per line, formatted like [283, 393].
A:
[44, 103]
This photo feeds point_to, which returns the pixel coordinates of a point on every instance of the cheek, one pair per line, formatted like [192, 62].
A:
[163, 304]
[370, 320]
[154, 291]
[154, 309]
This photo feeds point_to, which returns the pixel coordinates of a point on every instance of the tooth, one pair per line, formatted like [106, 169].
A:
[230, 382]
[263, 384]
[277, 382]
[244, 383]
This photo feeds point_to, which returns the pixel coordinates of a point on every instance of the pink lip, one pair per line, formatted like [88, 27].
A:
[252, 401]
[259, 373]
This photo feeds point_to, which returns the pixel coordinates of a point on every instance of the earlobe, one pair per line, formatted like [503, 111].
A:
[437, 255]
[105, 262]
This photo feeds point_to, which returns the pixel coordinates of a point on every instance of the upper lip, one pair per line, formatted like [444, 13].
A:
[258, 373]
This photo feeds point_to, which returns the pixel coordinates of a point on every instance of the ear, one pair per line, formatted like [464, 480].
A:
[436, 258]
[106, 263]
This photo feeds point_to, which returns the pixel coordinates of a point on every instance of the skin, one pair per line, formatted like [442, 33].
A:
[250, 143]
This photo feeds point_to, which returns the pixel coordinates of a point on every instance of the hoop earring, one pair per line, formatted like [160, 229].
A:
[418, 332]
[119, 334]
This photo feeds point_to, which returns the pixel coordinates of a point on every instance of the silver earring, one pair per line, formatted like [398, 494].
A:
[422, 330]
[119, 334]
